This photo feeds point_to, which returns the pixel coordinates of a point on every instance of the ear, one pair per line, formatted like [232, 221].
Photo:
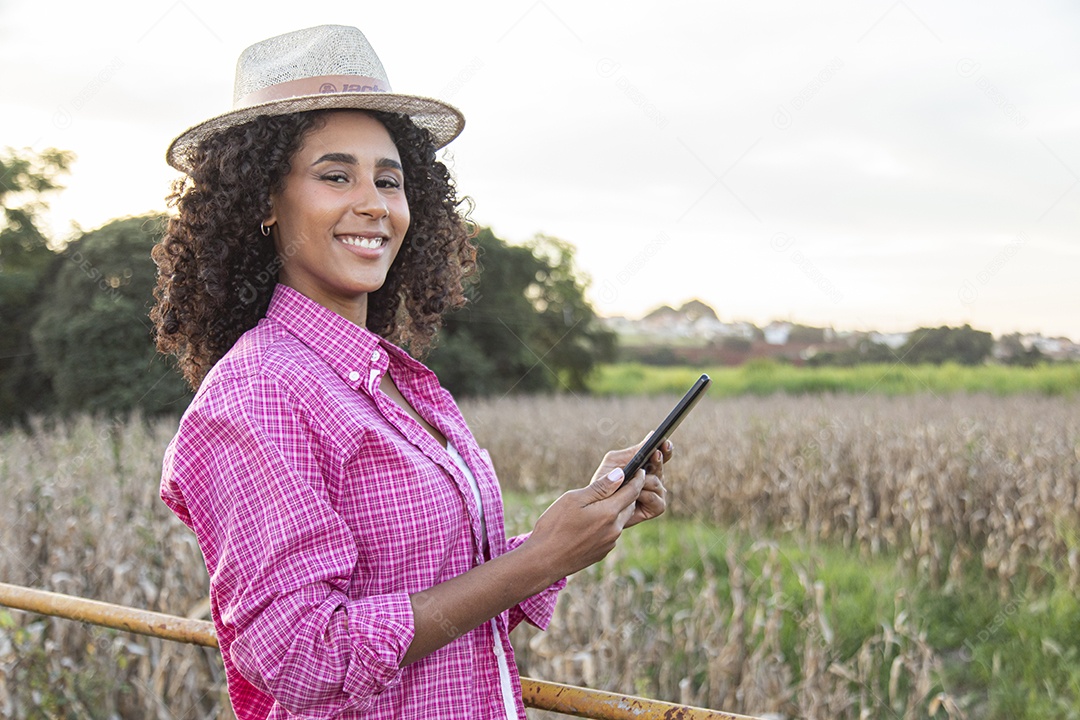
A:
[273, 214]
[266, 224]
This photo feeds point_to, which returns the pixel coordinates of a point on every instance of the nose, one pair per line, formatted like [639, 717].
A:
[368, 201]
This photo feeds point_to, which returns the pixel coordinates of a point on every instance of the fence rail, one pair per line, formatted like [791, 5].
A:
[565, 699]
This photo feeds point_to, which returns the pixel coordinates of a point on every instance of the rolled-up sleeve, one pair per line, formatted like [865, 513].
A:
[281, 559]
[331, 657]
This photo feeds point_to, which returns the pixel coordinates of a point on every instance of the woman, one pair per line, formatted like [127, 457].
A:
[351, 527]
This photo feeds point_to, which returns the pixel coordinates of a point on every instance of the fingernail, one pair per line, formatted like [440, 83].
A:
[615, 475]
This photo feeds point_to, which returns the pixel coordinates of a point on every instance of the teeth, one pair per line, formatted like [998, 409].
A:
[363, 242]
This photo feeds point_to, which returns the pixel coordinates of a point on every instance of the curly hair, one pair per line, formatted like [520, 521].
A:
[217, 272]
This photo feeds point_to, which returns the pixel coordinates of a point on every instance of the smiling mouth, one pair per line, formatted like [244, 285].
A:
[369, 243]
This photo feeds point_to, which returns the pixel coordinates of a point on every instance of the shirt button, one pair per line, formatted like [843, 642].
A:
[354, 376]
[375, 356]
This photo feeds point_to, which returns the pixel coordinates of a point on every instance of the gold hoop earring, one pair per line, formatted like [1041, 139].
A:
[264, 230]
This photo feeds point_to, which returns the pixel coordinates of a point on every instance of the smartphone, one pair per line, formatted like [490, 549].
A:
[664, 429]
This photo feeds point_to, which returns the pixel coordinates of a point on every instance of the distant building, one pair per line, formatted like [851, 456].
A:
[620, 324]
[696, 330]
[744, 330]
[777, 333]
[1056, 348]
[892, 340]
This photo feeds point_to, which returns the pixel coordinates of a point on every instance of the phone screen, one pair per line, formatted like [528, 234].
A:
[667, 427]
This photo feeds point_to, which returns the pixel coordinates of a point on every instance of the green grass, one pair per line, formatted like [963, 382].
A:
[688, 554]
[764, 377]
[1010, 652]
[1020, 649]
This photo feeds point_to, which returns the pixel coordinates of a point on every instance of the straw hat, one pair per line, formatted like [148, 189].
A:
[324, 67]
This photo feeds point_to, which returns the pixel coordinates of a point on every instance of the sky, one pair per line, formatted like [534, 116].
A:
[862, 165]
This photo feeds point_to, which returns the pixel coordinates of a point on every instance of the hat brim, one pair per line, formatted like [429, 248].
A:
[444, 121]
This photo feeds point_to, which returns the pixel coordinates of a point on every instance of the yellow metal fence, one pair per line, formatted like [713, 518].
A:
[565, 699]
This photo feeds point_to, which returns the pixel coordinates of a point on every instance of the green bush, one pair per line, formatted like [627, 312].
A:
[93, 339]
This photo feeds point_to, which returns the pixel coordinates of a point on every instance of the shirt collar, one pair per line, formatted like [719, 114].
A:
[350, 350]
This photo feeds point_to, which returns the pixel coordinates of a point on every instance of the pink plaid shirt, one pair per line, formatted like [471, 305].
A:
[320, 506]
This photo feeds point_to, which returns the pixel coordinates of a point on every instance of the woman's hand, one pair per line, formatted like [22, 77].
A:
[582, 526]
[652, 501]
[579, 529]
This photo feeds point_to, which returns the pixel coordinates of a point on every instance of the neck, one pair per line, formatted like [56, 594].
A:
[353, 308]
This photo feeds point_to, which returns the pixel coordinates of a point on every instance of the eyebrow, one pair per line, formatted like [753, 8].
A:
[350, 159]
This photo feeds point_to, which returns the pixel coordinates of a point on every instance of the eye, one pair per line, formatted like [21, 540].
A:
[388, 182]
[335, 177]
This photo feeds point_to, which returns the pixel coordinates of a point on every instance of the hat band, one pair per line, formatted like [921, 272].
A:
[318, 85]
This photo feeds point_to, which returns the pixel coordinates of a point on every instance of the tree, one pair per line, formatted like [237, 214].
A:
[806, 335]
[527, 326]
[25, 264]
[1013, 352]
[962, 345]
[568, 327]
[866, 351]
[93, 338]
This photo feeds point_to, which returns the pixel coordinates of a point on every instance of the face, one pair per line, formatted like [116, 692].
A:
[341, 216]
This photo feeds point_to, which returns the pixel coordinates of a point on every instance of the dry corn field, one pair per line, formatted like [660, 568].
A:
[929, 485]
